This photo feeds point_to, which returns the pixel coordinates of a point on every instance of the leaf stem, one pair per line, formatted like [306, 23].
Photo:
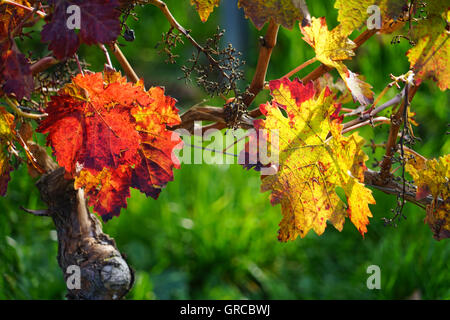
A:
[378, 120]
[15, 105]
[396, 122]
[174, 23]
[108, 58]
[124, 62]
[368, 115]
[19, 5]
[322, 69]
[78, 63]
[43, 64]
[300, 67]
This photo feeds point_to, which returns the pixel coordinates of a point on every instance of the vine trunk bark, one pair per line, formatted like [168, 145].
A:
[103, 271]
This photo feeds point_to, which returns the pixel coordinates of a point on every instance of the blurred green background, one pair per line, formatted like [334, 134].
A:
[212, 234]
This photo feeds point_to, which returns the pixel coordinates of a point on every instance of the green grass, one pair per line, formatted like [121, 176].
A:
[212, 234]
[207, 238]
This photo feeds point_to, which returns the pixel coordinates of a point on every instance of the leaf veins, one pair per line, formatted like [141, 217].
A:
[111, 135]
[314, 160]
[332, 47]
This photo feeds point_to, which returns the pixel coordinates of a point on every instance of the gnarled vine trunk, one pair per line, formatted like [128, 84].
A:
[104, 273]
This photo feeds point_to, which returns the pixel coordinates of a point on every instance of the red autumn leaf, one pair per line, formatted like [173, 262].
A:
[156, 161]
[111, 135]
[63, 42]
[15, 74]
[16, 77]
[101, 135]
[99, 23]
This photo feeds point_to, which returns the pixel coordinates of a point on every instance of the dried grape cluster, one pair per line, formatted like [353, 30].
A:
[169, 41]
[215, 69]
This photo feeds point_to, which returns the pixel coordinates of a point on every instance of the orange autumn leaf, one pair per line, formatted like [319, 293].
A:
[108, 189]
[315, 159]
[332, 48]
[111, 135]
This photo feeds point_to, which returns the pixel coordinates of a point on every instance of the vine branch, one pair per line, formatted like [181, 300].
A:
[124, 62]
[322, 69]
[14, 104]
[43, 64]
[267, 44]
[396, 122]
[174, 23]
[372, 179]
[370, 114]
[208, 113]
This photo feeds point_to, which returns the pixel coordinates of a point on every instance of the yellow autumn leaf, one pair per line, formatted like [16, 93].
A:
[284, 12]
[332, 48]
[439, 220]
[315, 160]
[432, 60]
[205, 7]
[430, 57]
[432, 177]
[338, 87]
[6, 134]
[353, 14]
[6, 125]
